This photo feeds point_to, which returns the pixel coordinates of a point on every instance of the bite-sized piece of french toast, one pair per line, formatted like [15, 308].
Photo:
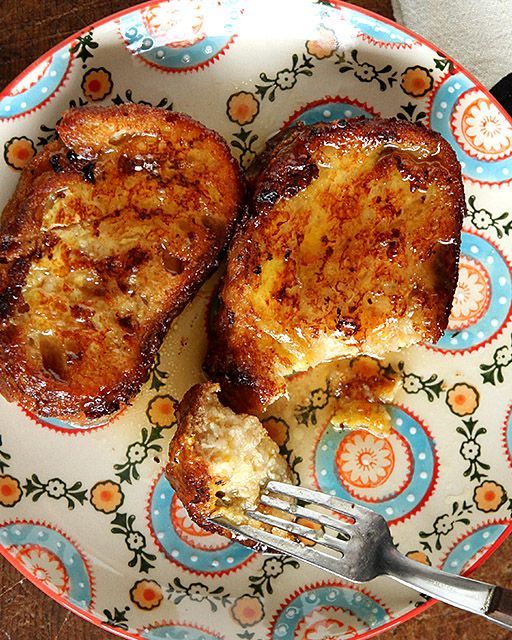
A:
[351, 248]
[112, 229]
[219, 462]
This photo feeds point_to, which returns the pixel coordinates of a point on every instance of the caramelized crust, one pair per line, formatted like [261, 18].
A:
[351, 248]
[111, 230]
[219, 462]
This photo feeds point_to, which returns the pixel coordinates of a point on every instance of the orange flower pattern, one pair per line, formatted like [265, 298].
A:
[472, 296]
[10, 491]
[191, 533]
[419, 556]
[146, 594]
[363, 460]
[162, 411]
[46, 567]
[18, 152]
[480, 127]
[463, 399]
[416, 81]
[325, 623]
[177, 24]
[107, 496]
[277, 429]
[247, 610]
[97, 84]
[242, 107]
[489, 496]
[323, 45]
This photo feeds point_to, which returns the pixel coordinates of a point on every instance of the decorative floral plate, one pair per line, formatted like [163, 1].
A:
[88, 515]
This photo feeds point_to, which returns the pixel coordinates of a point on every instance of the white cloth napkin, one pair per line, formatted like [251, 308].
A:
[476, 33]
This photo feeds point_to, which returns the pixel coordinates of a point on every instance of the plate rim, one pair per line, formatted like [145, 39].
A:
[337, 4]
[371, 633]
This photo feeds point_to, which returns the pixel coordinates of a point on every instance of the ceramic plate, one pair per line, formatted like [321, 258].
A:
[88, 515]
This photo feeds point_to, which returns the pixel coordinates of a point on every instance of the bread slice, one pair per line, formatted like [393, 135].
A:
[219, 461]
[351, 248]
[112, 229]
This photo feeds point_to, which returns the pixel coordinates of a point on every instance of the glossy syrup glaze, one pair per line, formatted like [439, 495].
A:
[112, 229]
[352, 248]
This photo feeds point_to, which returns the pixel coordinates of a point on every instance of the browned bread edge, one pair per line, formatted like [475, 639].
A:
[18, 246]
[283, 169]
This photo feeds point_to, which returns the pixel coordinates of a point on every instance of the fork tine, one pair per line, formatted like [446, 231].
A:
[290, 548]
[304, 532]
[315, 516]
[344, 507]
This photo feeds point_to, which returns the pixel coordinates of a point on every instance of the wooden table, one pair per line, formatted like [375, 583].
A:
[29, 28]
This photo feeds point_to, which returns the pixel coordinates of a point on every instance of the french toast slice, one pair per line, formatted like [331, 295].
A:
[351, 247]
[219, 462]
[112, 229]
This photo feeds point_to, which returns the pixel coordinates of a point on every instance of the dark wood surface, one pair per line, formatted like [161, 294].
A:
[29, 28]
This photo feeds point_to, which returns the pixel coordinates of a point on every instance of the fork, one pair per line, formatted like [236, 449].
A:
[362, 549]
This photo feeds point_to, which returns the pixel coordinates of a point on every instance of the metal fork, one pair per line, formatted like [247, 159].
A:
[362, 549]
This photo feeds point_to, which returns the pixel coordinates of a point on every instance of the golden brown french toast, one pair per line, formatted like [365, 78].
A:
[351, 247]
[219, 462]
[110, 232]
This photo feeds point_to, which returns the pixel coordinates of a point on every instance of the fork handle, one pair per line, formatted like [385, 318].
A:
[487, 600]
[500, 607]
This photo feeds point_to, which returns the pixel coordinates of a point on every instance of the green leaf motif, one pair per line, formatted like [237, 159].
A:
[443, 64]
[408, 112]
[157, 376]
[162, 104]
[50, 132]
[440, 63]
[56, 489]
[366, 72]
[135, 541]
[492, 373]
[117, 618]
[484, 220]
[198, 592]
[137, 453]
[244, 141]
[444, 525]
[272, 567]
[84, 46]
[413, 383]
[318, 400]
[284, 79]
[4, 458]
